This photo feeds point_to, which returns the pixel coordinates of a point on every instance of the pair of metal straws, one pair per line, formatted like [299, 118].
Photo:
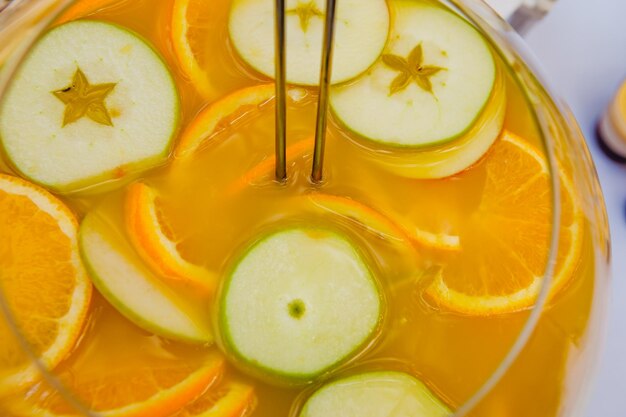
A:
[281, 94]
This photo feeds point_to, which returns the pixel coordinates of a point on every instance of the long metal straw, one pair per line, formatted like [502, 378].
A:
[322, 104]
[281, 97]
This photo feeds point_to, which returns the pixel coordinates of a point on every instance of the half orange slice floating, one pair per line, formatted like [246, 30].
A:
[229, 399]
[506, 241]
[228, 110]
[42, 280]
[133, 392]
[156, 243]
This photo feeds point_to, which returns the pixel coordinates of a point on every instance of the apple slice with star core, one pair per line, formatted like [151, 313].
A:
[434, 102]
[360, 35]
[91, 102]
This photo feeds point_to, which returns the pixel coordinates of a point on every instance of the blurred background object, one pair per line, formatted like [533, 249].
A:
[612, 127]
[522, 14]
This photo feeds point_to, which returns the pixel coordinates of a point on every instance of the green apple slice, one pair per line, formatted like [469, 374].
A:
[361, 31]
[130, 286]
[430, 86]
[462, 153]
[375, 394]
[298, 303]
[91, 102]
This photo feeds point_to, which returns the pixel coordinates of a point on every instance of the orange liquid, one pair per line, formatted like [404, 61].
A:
[451, 353]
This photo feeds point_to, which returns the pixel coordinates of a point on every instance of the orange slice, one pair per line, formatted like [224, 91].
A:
[154, 240]
[228, 110]
[229, 399]
[368, 217]
[134, 392]
[85, 8]
[362, 215]
[506, 240]
[266, 167]
[42, 280]
[194, 24]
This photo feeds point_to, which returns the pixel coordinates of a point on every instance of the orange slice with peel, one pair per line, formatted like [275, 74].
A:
[363, 216]
[192, 29]
[135, 392]
[226, 111]
[383, 225]
[368, 217]
[42, 281]
[154, 240]
[266, 167]
[229, 399]
[506, 240]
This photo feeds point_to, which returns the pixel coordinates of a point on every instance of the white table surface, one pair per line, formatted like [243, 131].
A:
[581, 45]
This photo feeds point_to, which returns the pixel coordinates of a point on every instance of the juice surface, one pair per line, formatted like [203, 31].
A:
[215, 208]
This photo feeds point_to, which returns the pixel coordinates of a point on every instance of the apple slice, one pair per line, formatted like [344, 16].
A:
[361, 31]
[129, 285]
[436, 82]
[91, 102]
[375, 394]
[298, 303]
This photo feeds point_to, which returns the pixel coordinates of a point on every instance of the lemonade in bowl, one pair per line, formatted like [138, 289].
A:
[452, 261]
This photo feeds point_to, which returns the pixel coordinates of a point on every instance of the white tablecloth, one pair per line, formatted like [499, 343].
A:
[581, 45]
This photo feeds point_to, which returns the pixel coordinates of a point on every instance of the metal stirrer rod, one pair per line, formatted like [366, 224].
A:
[281, 98]
[322, 104]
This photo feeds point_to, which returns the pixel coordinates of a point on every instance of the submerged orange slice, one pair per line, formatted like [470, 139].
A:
[217, 116]
[506, 241]
[156, 243]
[191, 30]
[364, 216]
[224, 112]
[266, 167]
[228, 399]
[135, 392]
[42, 281]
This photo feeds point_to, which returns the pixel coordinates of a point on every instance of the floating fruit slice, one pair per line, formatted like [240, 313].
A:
[502, 270]
[266, 167]
[126, 282]
[375, 394]
[130, 391]
[226, 111]
[299, 302]
[360, 35]
[220, 114]
[198, 40]
[43, 281]
[155, 243]
[430, 85]
[364, 216]
[229, 399]
[91, 102]
[85, 8]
